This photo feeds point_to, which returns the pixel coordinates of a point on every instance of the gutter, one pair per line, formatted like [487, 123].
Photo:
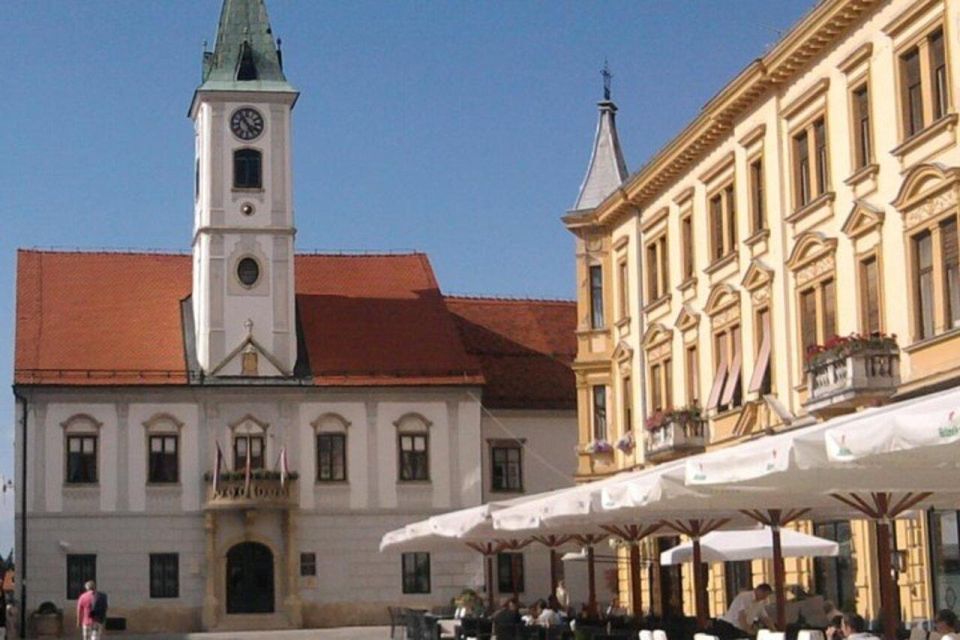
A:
[22, 565]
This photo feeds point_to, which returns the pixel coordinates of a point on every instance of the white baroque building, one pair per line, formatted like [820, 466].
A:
[389, 401]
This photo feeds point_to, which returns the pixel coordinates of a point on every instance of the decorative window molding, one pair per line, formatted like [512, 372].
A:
[81, 423]
[160, 423]
[862, 219]
[687, 319]
[753, 136]
[656, 218]
[758, 275]
[412, 421]
[817, 91]
[723, 297]
[812, 255]
[330, 423]
[248, 424]
[859, 55]
[928, 191]
[717, 170]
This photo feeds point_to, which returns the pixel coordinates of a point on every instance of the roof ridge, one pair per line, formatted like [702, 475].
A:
[103, 251]
[506, 298]
[360, 253]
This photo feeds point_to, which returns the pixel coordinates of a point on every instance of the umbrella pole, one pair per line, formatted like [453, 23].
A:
[514, 578]
[887, 583]
[592, 580]
[488, 579]
[553, 571]
[779, 579]
[636, 592]
[699, 588]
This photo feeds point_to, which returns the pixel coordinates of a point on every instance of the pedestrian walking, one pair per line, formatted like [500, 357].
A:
[91, 611]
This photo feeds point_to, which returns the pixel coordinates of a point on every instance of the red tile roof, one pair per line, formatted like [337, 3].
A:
[525, 348]
[114, 318]
[366, 320]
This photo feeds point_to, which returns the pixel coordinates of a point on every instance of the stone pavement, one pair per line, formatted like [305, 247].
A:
[344, 633]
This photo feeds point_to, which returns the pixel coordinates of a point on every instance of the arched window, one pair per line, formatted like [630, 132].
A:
[81, 435]
[247, 169]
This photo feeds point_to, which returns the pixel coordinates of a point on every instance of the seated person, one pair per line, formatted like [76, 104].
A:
[947, 625]
[854, 627]
[746, 610]
[533, 614]
[549, 617]
[615, 610]
[507, 614]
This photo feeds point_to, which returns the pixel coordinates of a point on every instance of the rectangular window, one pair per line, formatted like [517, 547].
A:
[686, 239]
[944, 528]
[951, 271]
[164, 465]
[758, 214]
[761, 382]
[828, 291]
[693, 382]
[81, 459]
[923, 267]
[716, 226]
[808, 319]
[599, 412]
[737, 577]
[733, 391]
[331, 457]
[820, 148]
[257, 452]
[624, 274]
[414, 457]
[81, 567]
[730, 219]
[416, 572]
[596, 297]
[912, 91]
[510, 573]
[861, 126]
[507, 470]
[834, 578]
[627, 404]
[869, 296]
[308, 564]
[720, 358]
[656, 387]
[653, 273]
[938, 74]
[801, 153]
[164, 575]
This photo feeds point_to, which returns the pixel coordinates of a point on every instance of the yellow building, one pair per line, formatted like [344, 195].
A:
[816, 195]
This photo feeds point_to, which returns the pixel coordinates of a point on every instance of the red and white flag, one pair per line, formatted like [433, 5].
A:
[284, 467]
[248, 470]
[217, 468]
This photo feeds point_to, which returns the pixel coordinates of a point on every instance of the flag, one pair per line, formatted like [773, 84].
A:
[247, 471]
[217, 468]
[284, 467]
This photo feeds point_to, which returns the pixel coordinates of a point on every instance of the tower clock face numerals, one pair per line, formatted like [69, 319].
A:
[246, 123]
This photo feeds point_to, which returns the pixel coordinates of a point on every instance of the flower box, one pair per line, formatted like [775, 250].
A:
[850, 372]
[675, 433]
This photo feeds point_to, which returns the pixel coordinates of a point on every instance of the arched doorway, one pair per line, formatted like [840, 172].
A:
[249, 579]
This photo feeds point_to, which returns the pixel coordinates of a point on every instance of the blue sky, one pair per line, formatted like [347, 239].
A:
[461, 129]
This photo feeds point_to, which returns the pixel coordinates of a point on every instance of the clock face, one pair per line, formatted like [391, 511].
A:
[246, 123]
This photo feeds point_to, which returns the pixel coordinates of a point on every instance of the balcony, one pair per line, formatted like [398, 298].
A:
[675, 434]
[861, 372]
[265, 491]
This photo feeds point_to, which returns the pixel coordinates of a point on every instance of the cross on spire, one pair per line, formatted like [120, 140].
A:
[607, 77]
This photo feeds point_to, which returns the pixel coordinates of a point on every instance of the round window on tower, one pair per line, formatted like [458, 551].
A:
[248, 271]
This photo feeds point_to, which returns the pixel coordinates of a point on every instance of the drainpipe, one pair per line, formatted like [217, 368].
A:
[22, 565]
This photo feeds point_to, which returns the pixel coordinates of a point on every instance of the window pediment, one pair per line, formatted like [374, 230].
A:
[163, 423]
[687, 319]
[810, 246]
[248, 424]
[81, 423]
[656, 334]
[330, 422]
[721, 297]
[927, 190]
[758, 275]
[412, 421]
[863, 217]
[622, 352]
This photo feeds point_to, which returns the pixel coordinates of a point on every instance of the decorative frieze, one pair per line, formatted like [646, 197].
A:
[815, 269]
[931, 208]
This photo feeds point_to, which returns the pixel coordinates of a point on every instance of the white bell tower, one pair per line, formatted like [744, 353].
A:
[243, 256]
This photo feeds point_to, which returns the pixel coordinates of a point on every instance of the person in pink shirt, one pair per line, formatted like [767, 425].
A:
[91, 610]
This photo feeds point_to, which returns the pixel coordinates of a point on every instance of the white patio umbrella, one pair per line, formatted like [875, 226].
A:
[750, 544]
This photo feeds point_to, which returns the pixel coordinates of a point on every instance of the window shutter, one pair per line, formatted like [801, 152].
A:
[733, 377]
[718, 384]
[763, 357]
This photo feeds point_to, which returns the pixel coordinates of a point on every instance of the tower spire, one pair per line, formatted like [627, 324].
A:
[607, 169]
[245, 56]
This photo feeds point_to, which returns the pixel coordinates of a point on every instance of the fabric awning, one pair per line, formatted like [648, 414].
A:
[750, 544]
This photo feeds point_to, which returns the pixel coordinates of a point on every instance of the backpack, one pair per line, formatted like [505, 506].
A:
[99, 610]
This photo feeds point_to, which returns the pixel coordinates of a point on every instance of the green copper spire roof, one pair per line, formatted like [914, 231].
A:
[245, 57]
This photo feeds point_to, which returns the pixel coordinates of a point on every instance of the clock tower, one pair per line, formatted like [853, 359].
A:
[243, 256]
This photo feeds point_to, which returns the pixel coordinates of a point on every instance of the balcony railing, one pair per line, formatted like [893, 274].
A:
[265, 490]
[675, 436]
[842, 382]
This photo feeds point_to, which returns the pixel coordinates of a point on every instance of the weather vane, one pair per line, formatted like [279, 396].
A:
[607, 76]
